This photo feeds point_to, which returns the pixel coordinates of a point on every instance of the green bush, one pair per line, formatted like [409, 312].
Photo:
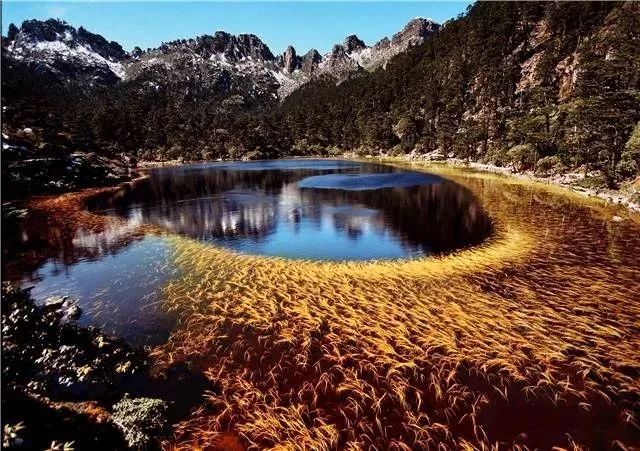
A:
[592, 182]
[627, 168]
[629, 164]
[547, 164]
[498, 156]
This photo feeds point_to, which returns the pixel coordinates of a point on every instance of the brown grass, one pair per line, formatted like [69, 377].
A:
[530, 340]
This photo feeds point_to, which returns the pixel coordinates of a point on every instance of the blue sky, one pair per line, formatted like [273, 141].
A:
[304, 25]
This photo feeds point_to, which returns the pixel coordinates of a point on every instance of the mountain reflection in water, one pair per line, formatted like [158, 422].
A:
[281, 212]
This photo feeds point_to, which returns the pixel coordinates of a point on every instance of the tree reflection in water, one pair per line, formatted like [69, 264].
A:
[267, 211]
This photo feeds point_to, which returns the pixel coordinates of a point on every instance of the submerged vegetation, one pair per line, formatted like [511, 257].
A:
[528, 340]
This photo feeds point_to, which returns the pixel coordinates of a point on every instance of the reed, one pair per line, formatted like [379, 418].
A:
[526, 341]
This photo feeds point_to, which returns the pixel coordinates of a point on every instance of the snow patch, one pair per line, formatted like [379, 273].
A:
[51, 50]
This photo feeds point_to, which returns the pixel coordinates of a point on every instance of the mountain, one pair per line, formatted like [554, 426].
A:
[56, 47]
[218, 61]
[549, 87]
[352, 56]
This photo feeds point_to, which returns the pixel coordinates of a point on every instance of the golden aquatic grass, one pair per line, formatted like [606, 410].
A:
[529, 340]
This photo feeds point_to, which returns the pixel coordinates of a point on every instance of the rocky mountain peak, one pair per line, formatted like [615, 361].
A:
[221, 45]
[382, 44]
[337, 52]
[220, 41]
[414, 32]
[338, 63]
[53, 46]
[111, 50]
[353, 44]
[310, 61]
[12, 32]
[137, 52]
[290, 61]
[39, 31]
[251, 45]
[55, 33]
[56, 47]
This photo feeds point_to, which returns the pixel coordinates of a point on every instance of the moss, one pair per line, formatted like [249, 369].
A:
[141, 420]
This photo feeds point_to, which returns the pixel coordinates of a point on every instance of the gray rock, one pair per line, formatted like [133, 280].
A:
[141, 420]
[353, 43]
[67, 307]
[290, 61]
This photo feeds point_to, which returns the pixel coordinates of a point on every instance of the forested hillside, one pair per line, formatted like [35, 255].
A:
[529, 84]
[534, 85]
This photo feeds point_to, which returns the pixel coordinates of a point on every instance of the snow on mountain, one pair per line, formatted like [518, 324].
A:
[240, 63]
[354, 55]
[57, 47]
[52, 51]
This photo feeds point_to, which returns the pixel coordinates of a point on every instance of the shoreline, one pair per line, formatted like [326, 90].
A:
[610, 196]
[627, 196]
[620, 197]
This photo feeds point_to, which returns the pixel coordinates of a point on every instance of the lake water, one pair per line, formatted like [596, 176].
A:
[299, 209]
[306, 209]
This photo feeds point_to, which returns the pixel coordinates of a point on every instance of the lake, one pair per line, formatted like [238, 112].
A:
[328, 210]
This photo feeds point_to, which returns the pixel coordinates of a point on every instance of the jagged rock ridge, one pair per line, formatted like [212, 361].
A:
[222, 60]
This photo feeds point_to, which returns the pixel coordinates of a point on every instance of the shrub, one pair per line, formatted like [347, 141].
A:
[497, 155]
[546, 164]
[627, 168]
[629, 164]
[521, 156]
[594, 182]
[397, 150]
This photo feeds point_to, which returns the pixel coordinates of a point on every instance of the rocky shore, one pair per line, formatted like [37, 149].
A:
[71, 387]
[35, 161]
[48, 175]
[628, 195]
